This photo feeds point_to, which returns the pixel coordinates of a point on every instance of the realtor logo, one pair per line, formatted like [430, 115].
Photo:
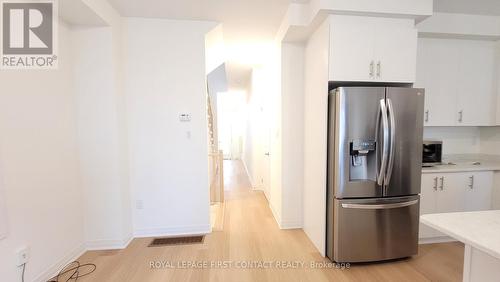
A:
[29, 30]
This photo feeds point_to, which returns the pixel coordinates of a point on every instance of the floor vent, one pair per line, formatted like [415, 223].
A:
[160, 242]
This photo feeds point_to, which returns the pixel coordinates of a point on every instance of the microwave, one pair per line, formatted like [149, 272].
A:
[432, 152]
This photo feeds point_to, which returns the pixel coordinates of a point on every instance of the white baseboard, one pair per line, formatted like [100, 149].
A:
[173, 231]
[434, 240]
[54, 269]
[276, 216]
[290, 224]
[106, 244]
[249, 176]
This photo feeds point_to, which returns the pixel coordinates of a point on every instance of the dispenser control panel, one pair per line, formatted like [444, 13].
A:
[362, 146]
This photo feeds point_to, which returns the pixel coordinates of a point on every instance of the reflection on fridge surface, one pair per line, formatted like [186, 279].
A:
[374, 170]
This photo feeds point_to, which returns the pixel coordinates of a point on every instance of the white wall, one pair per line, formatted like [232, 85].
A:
[215, 54]
[103, 154]
[39, 162]
[168, 158]
[456, 140]
[315, 136]
[292, 123]
[255, 137]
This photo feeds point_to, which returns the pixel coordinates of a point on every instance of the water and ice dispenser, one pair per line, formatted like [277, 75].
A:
[363, 160]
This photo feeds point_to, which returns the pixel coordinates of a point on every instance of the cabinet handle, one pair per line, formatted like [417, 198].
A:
[427, 116]
[372, 66]
[441, 187]
[460, 116]
[435, 183]
[471, 185]
[379, 69]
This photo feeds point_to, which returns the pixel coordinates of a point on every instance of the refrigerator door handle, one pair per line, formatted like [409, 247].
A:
[393, 136]
[385, 150]
[379, 206]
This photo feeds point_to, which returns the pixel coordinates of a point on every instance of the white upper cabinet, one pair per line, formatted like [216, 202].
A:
[458, 77]
[476, 103]
[371, 49]
[395, 50]
[434, 57]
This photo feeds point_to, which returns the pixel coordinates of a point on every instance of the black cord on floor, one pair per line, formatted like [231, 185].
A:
[24, 268]
[75, 270]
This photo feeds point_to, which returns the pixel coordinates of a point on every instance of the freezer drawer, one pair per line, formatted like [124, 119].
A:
[375, 229]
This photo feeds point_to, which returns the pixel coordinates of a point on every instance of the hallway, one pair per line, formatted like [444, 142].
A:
[251, 236]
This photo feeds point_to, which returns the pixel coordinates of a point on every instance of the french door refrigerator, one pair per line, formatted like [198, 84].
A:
[374, 171]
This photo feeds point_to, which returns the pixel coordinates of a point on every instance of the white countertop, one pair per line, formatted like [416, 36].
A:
[480, 229]
[463, 163]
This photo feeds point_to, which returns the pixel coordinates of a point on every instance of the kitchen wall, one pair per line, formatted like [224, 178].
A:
[456, 140]
[40, 167]
[490, 140]
[168, 158]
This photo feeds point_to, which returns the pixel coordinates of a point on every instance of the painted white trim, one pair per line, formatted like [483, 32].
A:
[173, 231]
[54, 269]
[254, 187]
[108, 244]
[275, 215]
[291, 224]
[466, 277]
[433, 240]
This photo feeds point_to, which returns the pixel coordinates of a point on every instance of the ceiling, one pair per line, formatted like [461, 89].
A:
[248, 25]
[475, 7]
[245, 23]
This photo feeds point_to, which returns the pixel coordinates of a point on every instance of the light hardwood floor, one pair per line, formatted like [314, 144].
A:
[251, 234]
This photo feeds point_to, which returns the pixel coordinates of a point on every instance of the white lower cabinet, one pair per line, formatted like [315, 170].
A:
[454, 192]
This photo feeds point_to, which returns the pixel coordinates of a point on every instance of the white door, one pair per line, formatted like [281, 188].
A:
[428, 198]
[351, 48]
[476, 93]
[437, 70]
[478, 191]
[395, 51]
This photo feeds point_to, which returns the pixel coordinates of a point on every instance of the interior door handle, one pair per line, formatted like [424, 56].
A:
[267, 153]
[379, 206]
[385, 150]
[392, 130]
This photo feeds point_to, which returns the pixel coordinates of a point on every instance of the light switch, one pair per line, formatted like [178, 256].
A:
[185, 117]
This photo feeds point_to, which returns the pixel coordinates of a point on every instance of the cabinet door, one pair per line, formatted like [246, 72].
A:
[478, 191]
[428, 199]
[437, 69]
[395, 50]
[451, 192]
[476, 94]
[351, 48]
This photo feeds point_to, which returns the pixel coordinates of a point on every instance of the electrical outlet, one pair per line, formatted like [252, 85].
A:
[139, 204]
[23, 255]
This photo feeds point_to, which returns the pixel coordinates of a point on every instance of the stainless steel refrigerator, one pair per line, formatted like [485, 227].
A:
[374, 171]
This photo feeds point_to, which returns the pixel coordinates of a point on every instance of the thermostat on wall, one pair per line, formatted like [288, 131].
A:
[185, 117]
